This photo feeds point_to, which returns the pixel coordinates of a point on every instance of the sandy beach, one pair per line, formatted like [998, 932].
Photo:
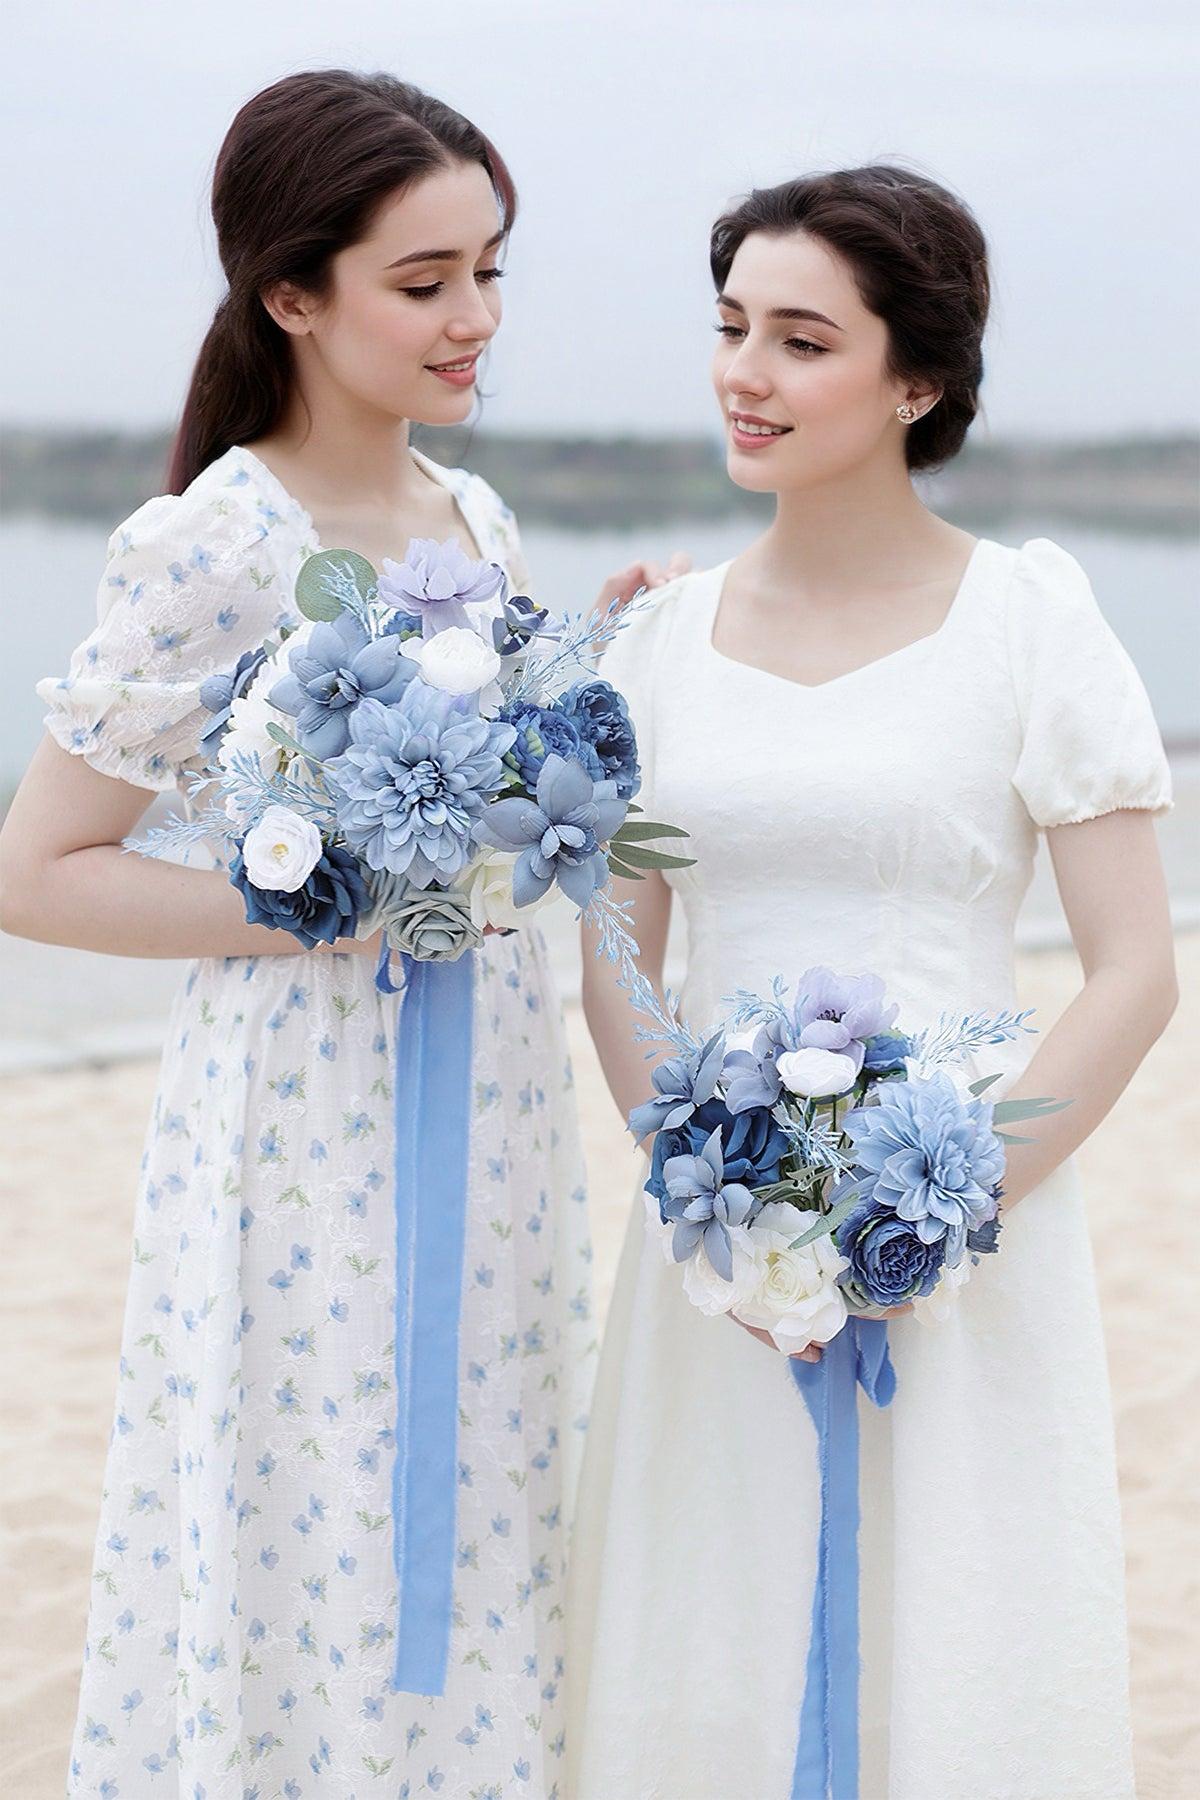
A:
[73, 1140]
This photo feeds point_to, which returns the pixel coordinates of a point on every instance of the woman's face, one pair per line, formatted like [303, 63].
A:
[413, 304]
[800, 370]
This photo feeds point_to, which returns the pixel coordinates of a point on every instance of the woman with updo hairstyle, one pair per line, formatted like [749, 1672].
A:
[866, 719]
[243, 1621]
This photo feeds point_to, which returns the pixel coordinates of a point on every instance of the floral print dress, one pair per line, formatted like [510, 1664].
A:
[240, 1633]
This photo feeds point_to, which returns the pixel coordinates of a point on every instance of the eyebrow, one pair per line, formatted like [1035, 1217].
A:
[429, 256]
[781, 312]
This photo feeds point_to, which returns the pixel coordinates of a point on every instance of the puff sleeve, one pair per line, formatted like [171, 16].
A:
[1089, 740]
[190, 583]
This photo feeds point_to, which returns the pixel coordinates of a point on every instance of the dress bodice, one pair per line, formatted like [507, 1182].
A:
[884, 821]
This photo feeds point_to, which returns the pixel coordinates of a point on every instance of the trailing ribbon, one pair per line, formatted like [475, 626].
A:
[827, 1753]
[432, 1097]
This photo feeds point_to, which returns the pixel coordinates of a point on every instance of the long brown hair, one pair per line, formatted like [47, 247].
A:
[920, 262]
[302, 170]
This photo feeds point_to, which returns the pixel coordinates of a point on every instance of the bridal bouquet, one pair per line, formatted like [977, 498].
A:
[812, 1162]
[417, 758]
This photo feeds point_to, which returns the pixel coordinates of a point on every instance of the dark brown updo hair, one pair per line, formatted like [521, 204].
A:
[302, 170]
[920, 262]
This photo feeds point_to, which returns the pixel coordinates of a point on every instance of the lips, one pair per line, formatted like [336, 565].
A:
[459, 373]
[749, 432]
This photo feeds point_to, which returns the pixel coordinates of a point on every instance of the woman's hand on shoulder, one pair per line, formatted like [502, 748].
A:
[624, 585]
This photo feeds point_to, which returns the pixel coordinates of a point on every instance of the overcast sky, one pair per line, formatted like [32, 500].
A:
[628, 124]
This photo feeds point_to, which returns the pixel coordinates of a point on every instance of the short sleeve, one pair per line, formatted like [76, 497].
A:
[190, 583]
[631, 662]
[1089, 740]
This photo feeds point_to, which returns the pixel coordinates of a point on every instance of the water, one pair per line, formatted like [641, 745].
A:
[1147, 587]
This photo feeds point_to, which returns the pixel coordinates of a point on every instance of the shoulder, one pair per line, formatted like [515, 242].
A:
[224, 527]
[651, 621]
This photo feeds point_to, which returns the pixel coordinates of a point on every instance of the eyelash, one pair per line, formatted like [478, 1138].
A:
[435, 287]
[804, 346]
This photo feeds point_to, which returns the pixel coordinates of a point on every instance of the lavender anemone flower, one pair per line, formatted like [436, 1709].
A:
[414, 781]
[683, 1083]
[557, 836]
[703, 1205]
[436, 583]
[337, 666]
[931, 1157]
[835, 1013]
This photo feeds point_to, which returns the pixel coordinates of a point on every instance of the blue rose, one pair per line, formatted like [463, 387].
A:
[889, 1263]
[884, 1053]
[754, 1145]
[324, 909]
[602, 720]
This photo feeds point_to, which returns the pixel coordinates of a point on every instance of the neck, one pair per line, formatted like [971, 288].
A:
[862, 527]
[348, 452]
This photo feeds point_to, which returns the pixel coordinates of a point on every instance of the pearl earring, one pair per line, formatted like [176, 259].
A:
[906, 413]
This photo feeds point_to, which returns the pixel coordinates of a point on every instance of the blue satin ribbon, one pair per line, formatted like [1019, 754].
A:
[827, 1753]
[432, 1097]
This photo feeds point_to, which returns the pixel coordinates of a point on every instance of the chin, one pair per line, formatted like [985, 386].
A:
[749, 471]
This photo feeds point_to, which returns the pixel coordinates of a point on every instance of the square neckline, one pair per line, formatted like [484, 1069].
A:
[966, 583]
[441, 477]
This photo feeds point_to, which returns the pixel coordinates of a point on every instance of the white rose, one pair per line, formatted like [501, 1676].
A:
[489, 890]
[797, 1299]
[814, 1073]
[246, 735]
[455, 660]
[707, 1290]
[282, 850]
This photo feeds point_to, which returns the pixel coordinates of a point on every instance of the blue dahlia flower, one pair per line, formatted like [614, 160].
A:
[930, 1157]
[326, 908]
[890, 1263]
[682, 1083]
[557, 836]
[337, 667]
[601, 717]
[414, 782]
[703, 1204]
[436, 583]
[219, 692]
[753, 1145]
[543, 731]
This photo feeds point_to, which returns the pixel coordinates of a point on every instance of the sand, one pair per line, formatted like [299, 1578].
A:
[72, 1142]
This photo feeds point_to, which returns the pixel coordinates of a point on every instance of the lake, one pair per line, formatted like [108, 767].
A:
[1147, 586]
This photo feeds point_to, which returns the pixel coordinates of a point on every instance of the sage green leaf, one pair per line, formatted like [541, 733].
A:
[641, 858]
[622, 869]
[316, 597]
[829, 1223]
[985, 1081]
[641, 829]
[1007, 1110]
[1010, 1137]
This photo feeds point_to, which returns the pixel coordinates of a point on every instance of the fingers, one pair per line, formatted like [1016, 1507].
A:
[811, 1354]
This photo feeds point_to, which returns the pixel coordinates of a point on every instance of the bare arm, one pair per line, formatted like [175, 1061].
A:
[64, 878]
[1110, 877]
[610, 1017]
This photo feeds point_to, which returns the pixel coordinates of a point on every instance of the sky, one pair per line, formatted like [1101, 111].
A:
[1069, 126]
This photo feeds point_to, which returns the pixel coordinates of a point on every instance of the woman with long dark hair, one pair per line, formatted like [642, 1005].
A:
[864, 720]
[244, 1603]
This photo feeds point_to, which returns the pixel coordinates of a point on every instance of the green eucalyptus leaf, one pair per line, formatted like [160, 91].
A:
[985, 1081]
[1008, 1110]
[622, 869]
[278, 735]
[314, 596]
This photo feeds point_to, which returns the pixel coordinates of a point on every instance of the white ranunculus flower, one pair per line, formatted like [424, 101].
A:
[455, 660]
[489, 889]
[282, 850]
[814, 1073]
[797, 1298]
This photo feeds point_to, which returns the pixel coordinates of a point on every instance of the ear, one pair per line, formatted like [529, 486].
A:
[922, 399]
[292, 309]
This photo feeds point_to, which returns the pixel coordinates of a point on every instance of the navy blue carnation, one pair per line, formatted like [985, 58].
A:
[889, 1263]
[324, 909]
[602, 720]
[754, 1146]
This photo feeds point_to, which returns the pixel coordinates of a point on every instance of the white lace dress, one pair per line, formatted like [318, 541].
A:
[884, 821]
[243, 1597]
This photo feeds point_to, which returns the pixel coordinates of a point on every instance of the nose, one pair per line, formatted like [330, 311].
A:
[472, 322]
[742, 374]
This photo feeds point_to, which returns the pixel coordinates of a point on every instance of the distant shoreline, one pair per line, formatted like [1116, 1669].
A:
[1138, 484]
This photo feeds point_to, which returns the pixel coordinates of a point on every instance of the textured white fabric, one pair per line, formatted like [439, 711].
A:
[878, 822]
[240, 1635]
